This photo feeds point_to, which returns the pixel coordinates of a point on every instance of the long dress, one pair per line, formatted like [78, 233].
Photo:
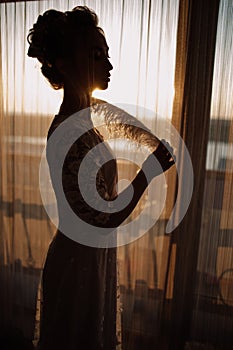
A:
[78, 305]
[79, 284]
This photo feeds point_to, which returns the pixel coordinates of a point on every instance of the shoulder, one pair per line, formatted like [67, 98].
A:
[57, 120]
[97, 100]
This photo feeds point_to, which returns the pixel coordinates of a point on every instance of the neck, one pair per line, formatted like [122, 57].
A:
[74, 101]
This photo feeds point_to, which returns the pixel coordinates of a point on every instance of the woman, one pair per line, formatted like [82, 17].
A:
[79, 281]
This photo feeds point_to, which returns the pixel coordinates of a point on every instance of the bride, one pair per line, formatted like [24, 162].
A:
[79, 284]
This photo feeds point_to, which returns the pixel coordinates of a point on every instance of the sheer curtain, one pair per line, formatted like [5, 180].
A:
[212, 314]
[142, 40]
[175, 288]
[200, 313]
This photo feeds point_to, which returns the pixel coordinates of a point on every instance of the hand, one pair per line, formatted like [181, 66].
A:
[165, 158]
[164, 154]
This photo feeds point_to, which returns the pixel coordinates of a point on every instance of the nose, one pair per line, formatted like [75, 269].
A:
[110, 66]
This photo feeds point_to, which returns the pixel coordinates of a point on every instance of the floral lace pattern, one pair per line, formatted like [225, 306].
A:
[78, 301]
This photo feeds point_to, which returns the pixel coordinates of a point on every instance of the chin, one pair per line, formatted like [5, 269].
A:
[103, 85]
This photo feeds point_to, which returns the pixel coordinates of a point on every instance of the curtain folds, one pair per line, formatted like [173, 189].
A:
[212, 312]
[173, 58]
[194, 74]
[142, 40]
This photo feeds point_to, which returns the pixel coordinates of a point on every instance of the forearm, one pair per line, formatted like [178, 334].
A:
[135, 190]
[111, 214]
[157, 163]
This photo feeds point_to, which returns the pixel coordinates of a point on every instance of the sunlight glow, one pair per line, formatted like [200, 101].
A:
[143, 60]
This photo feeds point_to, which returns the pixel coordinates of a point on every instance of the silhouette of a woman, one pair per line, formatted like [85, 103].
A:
[78, 309]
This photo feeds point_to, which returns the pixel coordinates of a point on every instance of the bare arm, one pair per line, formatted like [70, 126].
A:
[163, 154]
[112, 219]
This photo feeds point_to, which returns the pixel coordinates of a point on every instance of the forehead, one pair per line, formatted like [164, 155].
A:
[97, 40]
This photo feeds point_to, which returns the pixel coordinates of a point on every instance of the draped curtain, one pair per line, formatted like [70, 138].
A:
[212, 312]
[174, 59]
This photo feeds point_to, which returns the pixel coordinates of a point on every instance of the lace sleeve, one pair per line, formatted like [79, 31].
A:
[120, 124]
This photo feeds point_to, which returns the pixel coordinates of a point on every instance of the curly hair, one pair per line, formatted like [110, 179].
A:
[52, 37]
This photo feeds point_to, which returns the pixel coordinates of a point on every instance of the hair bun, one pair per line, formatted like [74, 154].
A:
[55, 35]
[52, 22]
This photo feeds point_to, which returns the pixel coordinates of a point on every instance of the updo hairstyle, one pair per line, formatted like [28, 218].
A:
[55, 35]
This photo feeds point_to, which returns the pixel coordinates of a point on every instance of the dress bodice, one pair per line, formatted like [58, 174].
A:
[105, 180]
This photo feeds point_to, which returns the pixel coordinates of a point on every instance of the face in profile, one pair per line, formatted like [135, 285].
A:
[91, 66]
[99, 64]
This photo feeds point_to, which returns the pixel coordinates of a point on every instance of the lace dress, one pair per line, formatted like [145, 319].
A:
[79, 284]
[79, 305]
